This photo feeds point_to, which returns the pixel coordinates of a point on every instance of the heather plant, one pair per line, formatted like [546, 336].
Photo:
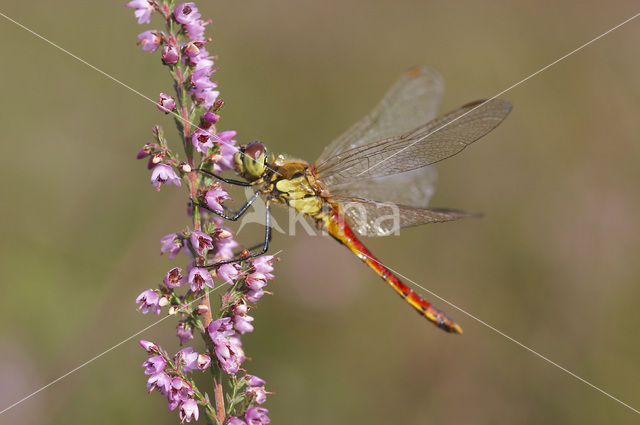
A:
[237, 397]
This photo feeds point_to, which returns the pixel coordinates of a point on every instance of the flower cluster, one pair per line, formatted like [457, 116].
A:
[184, 291]
[170, 377]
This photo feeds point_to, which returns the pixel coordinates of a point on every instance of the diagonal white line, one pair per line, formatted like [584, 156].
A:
[577, 49]
[83, 365]
[117, 81]
[499, 332]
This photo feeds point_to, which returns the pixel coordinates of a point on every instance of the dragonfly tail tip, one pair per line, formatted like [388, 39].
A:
[456, 329]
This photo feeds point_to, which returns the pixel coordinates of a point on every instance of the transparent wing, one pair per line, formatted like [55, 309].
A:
[373, 218]
[412, 101]
[432, 142]
[415, 187]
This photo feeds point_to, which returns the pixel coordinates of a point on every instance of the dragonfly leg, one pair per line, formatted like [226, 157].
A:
[265, 244]
[234, 215]
[230, 181]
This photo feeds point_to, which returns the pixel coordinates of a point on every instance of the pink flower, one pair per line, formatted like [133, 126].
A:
[242, 323]
[171, 244]
[199, 277]
[153, 365]
[206, 97]
[254, 381]
[227, 151]
[186, 13]
[202, 140]
[149, 346]
[161, 381]
[227, 345]
[179, 391]
[187, 358]
[259, 394]
[254, 295]
[170, 54]
[256, 416]
[256, 281]
[184, 333]
[228, 273]
[150, 40]
[235, 421]
[174, 278]
[202, 62]
[200, 242]
[164, 174]
[215, 198]
[150, 300]
[200, 81]
[166, 103]
[202, 88]
[230, 355]
[144, 9]
[256, 389]
[189, 410]
[195, 29]
[263, 265]
[220, 329]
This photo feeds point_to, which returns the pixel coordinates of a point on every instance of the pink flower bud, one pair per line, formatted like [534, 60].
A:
[149, 346]
[204, 361]
[211, 118]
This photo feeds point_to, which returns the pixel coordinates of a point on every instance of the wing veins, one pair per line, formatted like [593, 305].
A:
[425, 145]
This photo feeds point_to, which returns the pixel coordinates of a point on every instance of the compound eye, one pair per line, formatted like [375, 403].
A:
[255, 149]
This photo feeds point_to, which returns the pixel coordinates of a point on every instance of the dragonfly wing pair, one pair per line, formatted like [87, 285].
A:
[385, 158]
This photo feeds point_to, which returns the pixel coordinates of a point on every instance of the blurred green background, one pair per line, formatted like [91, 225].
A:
[553, 263]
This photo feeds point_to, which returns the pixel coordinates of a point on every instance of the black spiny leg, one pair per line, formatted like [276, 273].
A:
[230, 181]
[265, 245]
[234, 214]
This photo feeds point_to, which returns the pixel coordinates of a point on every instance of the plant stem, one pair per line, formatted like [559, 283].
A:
[217, 387]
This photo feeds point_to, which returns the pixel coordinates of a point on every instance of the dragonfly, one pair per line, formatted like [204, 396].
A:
[374, 179]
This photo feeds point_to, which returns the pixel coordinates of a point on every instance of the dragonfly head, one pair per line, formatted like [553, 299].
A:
[251, 160]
